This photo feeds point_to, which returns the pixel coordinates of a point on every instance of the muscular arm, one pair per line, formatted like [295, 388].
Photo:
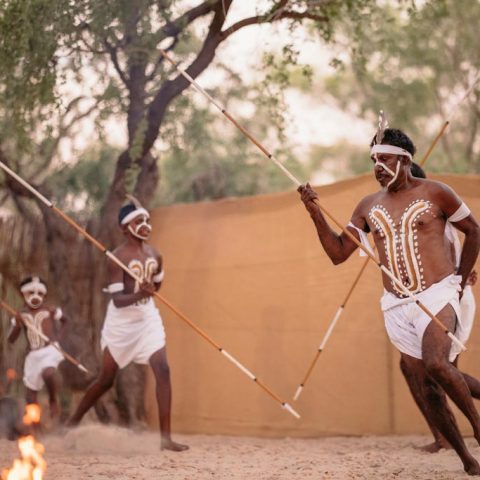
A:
[471, 246]
[449, 202]
[337, 247]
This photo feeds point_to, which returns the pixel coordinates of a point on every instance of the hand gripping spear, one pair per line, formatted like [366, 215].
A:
[341, 308]
[286, 406]
[37, 331]
[347, 232]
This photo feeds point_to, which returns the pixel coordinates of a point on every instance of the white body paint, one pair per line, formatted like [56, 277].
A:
[143, 271]
[401, 243]
[35, 340]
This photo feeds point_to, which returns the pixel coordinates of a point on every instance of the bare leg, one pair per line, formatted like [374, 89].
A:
[49, 378]
[414, 372]
[435, 350]
[97, 389]
[161, 370]
[30, 396]
[472, 382]
[473, 385]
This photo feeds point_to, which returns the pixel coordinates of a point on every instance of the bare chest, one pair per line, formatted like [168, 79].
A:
[40, 321]
[144, 267]
[401, 233]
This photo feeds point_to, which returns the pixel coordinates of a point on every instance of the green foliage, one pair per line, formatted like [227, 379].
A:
[30, 40]
[208, 158]
[80, 188]
[416, 67]
[47, 44]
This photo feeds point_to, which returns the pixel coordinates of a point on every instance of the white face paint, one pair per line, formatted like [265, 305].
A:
[390, 150]
[34, 293]
[393, 174]
[34, 298]
[136, 228]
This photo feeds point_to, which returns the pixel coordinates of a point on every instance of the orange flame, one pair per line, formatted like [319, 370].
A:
[32, 465]
[32, 414]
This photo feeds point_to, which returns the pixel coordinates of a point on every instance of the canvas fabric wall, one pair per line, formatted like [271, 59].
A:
[252, 274]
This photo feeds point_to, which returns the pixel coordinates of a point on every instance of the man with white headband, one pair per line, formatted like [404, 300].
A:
[407, 219]
[43, 359]
[133, 329]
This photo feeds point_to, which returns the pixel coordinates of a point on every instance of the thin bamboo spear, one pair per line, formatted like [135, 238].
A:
[340, 310]
[286, 406]
[332, 325]
[297, 182]
[37, 331]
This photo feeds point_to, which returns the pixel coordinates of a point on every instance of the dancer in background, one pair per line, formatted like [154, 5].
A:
[462, 332]
[43, 359]
[133, 329]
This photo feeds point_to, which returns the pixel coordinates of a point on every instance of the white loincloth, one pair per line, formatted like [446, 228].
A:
[133, 333]
[406, 322]
[467, 309]
[36, 362]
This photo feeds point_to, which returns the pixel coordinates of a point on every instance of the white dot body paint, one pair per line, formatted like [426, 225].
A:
[401, 249]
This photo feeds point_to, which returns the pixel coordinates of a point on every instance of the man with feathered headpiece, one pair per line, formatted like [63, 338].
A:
[407, 219]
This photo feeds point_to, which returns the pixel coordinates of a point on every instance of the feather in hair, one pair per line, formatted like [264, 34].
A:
[134, 200]
[382, 126]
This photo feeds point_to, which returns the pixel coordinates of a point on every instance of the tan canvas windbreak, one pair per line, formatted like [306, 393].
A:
[252, 274]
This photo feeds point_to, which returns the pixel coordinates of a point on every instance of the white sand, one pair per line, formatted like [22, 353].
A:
[100, 452]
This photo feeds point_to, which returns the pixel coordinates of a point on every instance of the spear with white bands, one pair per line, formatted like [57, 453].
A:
[37, 331]
[297, 182]
[177, 312]
[340, 310]
[329, 331]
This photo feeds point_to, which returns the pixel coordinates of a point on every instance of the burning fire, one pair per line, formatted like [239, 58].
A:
[32, 465]
[32, 414]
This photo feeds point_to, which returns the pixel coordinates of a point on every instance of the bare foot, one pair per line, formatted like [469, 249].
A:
[72, 422]
[169, 444]
[434, 447]
[472, 467]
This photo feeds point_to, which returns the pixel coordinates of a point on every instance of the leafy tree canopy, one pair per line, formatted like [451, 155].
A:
[417, 68]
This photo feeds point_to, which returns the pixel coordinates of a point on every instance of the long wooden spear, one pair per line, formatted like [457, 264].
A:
[297, 182]
[175, 310]
[341, 308]
[37, 331]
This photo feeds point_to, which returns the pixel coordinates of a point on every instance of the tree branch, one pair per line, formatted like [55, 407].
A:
[172, 88]
[112, 50]
[47, 153]
[151, 75]
[175, 27]
[270, 18]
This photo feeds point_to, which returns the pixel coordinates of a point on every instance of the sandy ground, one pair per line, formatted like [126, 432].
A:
[100, 452]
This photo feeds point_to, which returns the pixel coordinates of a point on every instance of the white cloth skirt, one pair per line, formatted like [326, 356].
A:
[36, 362]
[406, 322]
[133, 333]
